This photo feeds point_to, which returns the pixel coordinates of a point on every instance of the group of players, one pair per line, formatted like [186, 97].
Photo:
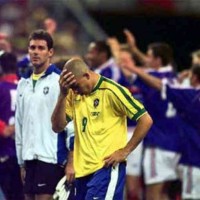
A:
[169, 151]
[50, 106]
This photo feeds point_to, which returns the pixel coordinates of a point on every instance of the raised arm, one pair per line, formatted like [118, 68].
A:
[58, 118]
[133, 47]
[115, 47]
[147, 78]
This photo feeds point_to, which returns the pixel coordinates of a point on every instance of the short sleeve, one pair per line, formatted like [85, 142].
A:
[124, 103]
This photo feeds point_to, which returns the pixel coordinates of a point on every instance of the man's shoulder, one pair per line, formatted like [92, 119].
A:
[110, 84]
[22, 81]
[52, 70]
[54, 77]
[113, 88]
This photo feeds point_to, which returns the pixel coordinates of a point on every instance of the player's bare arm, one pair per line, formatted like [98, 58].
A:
[58, 117]
[69, 169]
[115, 47]
[144, 123]
[147, 78]
[133, 47]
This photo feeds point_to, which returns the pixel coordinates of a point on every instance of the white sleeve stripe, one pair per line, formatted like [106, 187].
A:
[115, 73]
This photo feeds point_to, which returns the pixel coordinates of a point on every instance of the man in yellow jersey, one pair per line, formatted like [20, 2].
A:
[99, 108]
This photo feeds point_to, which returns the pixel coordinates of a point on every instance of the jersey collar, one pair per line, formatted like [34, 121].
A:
[52, 68]
[98, 84]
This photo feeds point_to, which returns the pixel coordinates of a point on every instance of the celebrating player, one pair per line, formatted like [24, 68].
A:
[162, 143]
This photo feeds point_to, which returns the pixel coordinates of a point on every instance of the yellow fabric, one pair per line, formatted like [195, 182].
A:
[35, 77]
[100, 123]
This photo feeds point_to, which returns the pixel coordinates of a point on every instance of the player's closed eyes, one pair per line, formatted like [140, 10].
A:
[74, 87]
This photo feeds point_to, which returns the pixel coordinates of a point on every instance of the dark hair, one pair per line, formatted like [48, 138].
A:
[163, 51]
[196, 70]
[42, 35]
[8, 62]
[102, 46]
[196, 53]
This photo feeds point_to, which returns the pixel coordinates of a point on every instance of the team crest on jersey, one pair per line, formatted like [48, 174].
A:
[46, 90]
[96, 102]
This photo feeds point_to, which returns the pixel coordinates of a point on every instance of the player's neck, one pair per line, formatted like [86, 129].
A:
[95, 80]
[40, 69]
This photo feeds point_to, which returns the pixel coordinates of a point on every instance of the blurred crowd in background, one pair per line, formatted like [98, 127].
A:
[96, 31]
[75, 23]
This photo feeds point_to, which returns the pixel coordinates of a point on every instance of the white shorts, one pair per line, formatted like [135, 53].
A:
[160, 165]
[134, 160]
[190, 182]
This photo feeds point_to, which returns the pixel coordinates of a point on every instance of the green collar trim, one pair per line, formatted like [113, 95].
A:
[98, 84]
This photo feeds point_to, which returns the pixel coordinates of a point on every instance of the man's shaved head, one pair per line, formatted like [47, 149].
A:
[79, 77]
[77, 66]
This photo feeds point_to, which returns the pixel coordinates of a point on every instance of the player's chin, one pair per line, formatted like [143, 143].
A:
[76, 92]
[83, 93]
[36, 63]
[80, 93]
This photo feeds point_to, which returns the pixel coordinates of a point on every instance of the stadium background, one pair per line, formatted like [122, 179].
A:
[81, 21]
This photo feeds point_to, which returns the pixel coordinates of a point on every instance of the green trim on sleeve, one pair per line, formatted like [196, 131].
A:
[139, 114]
[123, 93]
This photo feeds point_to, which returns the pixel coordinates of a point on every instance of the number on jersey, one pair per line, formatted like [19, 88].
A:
[84, 123]
[171, 111]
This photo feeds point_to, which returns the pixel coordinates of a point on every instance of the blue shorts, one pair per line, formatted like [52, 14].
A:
[104, 184]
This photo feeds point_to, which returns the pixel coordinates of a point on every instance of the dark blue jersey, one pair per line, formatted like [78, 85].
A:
[110, 70]
[7, 113]
[187, 103]
[165, 132]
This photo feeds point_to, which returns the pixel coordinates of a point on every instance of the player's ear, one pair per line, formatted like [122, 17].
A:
[51, 52]
[87, 75]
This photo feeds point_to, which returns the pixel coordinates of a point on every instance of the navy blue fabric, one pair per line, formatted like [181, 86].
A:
[96, 185]
[187, 102]
[62, 150]
[165, 132]
[52, 68]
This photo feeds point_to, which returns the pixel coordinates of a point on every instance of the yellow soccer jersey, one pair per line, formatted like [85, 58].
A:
[100, 123]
